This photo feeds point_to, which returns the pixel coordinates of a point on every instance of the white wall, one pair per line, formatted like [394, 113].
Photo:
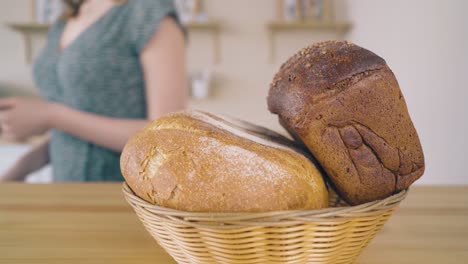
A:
[423, 42]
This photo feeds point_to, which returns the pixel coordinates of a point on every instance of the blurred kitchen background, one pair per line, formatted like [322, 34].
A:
[235, 47]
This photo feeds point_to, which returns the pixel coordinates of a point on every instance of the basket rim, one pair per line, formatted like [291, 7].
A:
[366, 209]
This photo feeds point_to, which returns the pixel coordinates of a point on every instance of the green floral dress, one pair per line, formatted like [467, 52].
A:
[100, 73]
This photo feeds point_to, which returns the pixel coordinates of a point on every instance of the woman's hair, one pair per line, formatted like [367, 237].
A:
[73, 7]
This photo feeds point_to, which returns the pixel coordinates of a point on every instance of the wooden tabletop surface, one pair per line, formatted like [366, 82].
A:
[91, 223]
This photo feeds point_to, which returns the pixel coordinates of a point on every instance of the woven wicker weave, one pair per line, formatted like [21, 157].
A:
[332, 235]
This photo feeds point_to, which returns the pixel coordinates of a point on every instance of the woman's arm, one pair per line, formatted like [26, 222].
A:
[163, 61]
[108, 132]
[31, 161]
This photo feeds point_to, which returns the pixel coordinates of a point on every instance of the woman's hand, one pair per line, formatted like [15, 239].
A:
[21, 118]
[36, 158]
[18, 172]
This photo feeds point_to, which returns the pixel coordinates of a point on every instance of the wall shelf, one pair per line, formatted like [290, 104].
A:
[27, 29]
[277, 26]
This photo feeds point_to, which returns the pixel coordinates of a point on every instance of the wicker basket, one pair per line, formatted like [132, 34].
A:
[331, 235]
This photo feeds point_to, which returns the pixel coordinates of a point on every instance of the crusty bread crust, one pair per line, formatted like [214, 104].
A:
[195, 161]
[344, 103]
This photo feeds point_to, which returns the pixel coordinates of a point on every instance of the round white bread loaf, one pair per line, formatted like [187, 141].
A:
[200, 162]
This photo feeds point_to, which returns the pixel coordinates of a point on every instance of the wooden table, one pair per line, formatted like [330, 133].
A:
[91, 223]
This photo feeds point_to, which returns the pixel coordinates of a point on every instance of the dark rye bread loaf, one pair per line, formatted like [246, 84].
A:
[344, 103]
[196, 161]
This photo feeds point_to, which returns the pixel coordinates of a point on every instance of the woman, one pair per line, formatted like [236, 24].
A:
[106, 70]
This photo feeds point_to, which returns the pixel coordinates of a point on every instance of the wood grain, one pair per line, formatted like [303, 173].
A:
[91, 223]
